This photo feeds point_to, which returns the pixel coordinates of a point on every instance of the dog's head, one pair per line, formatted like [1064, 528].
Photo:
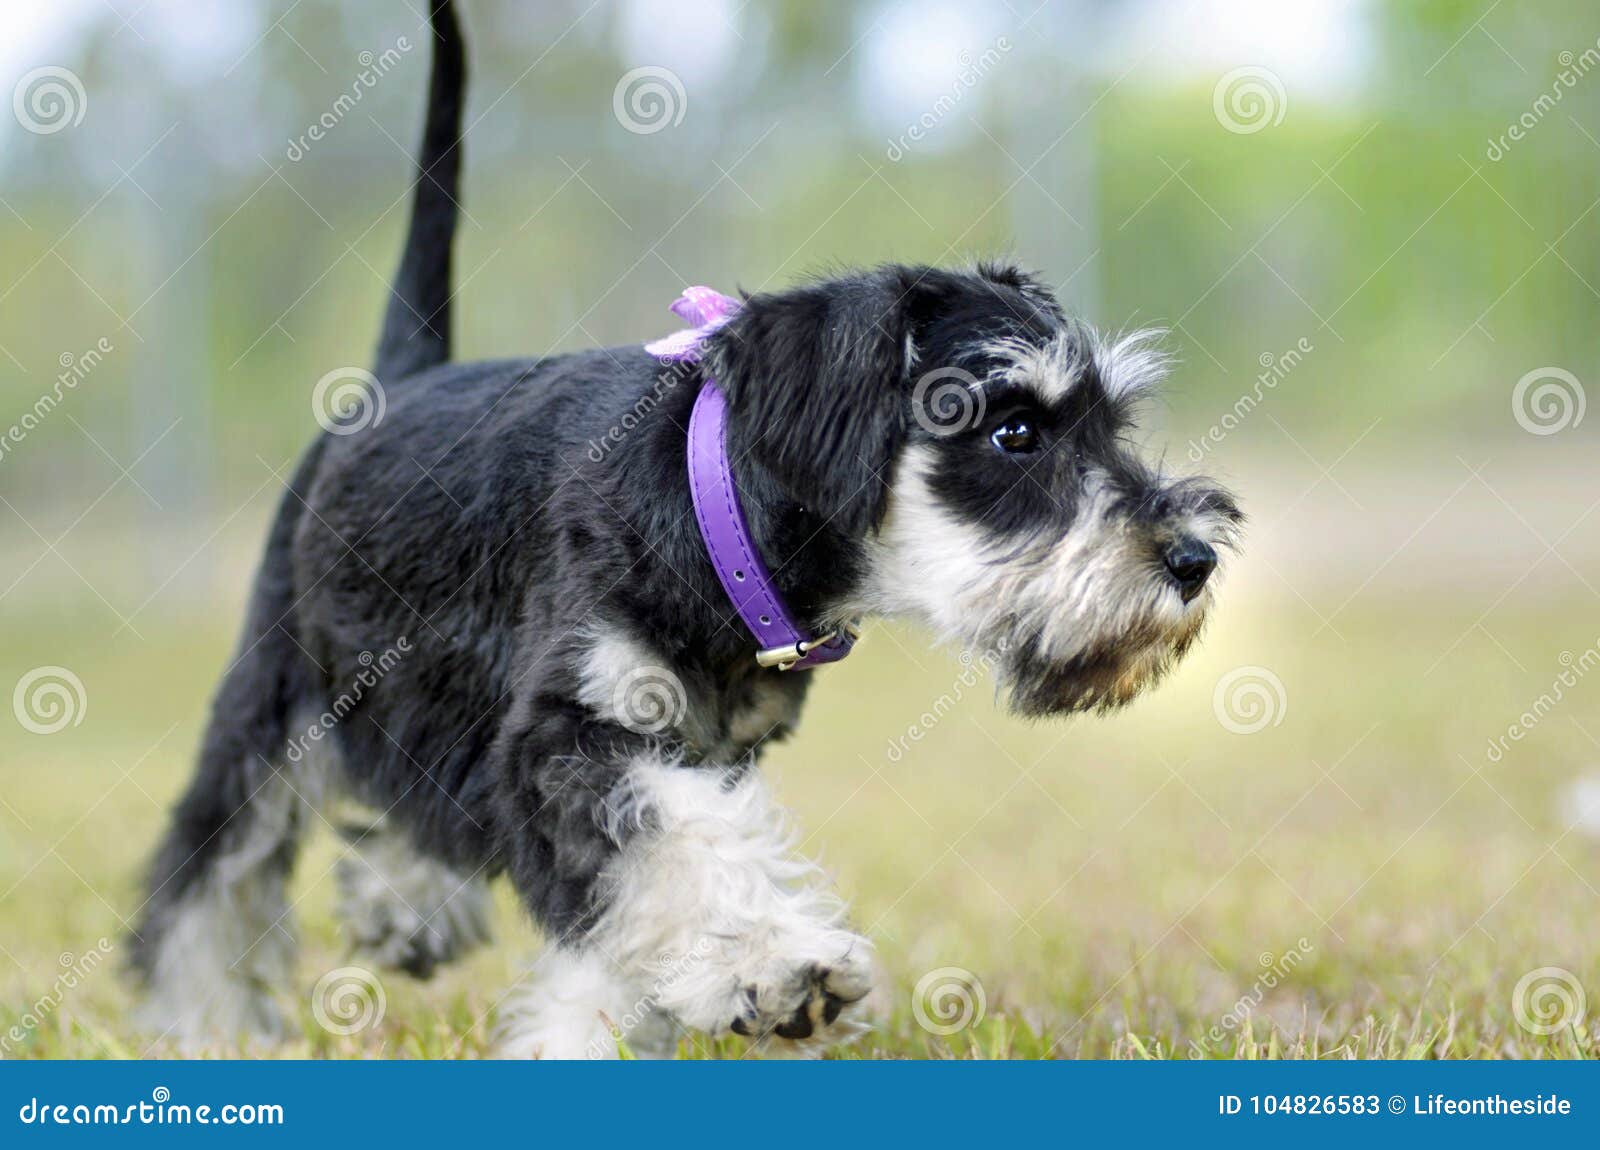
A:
[972, 440]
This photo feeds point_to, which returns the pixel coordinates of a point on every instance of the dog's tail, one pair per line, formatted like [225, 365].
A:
[416, 325]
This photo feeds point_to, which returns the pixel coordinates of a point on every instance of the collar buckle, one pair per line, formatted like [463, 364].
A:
[785, 657]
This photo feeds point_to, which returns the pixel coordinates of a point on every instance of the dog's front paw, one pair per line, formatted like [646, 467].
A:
[806, 1006]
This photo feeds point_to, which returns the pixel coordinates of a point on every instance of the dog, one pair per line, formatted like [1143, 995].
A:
[504, 616]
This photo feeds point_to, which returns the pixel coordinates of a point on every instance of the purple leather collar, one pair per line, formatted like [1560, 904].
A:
[733, 554]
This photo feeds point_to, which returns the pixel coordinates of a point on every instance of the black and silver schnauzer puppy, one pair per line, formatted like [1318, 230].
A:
[572, 692]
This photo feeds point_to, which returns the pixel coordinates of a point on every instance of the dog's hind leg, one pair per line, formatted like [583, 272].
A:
[213, 939]
[405, 910]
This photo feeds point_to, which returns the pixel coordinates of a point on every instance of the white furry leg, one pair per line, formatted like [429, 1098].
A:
[578, 1006]
[405, 910]
[710, 910]
[228, 943]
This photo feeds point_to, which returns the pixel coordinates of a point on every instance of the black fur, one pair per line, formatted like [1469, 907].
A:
[416, 325]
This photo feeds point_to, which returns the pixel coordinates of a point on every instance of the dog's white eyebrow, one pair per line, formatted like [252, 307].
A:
[1132, 363]
[1127, 365]
[1049, 370]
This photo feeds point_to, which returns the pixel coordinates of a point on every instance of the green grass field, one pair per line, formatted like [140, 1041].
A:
[1121, 887]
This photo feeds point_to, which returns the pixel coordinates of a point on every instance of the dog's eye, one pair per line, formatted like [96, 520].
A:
[1015, 436]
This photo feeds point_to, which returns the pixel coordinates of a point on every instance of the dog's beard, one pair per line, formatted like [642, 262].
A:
[1079, 623]
[1095, 620]
[1098, 677]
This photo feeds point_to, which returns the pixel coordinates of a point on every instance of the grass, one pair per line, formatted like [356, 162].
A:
[1117, 887]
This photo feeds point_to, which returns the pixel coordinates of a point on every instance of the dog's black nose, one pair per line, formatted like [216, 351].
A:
[1191, 562]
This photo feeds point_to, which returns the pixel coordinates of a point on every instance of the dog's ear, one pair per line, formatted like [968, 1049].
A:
[817, 381]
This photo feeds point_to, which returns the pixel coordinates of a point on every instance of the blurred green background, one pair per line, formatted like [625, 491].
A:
[1322, 202]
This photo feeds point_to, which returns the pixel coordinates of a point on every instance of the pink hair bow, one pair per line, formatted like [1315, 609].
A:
[705, 308]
